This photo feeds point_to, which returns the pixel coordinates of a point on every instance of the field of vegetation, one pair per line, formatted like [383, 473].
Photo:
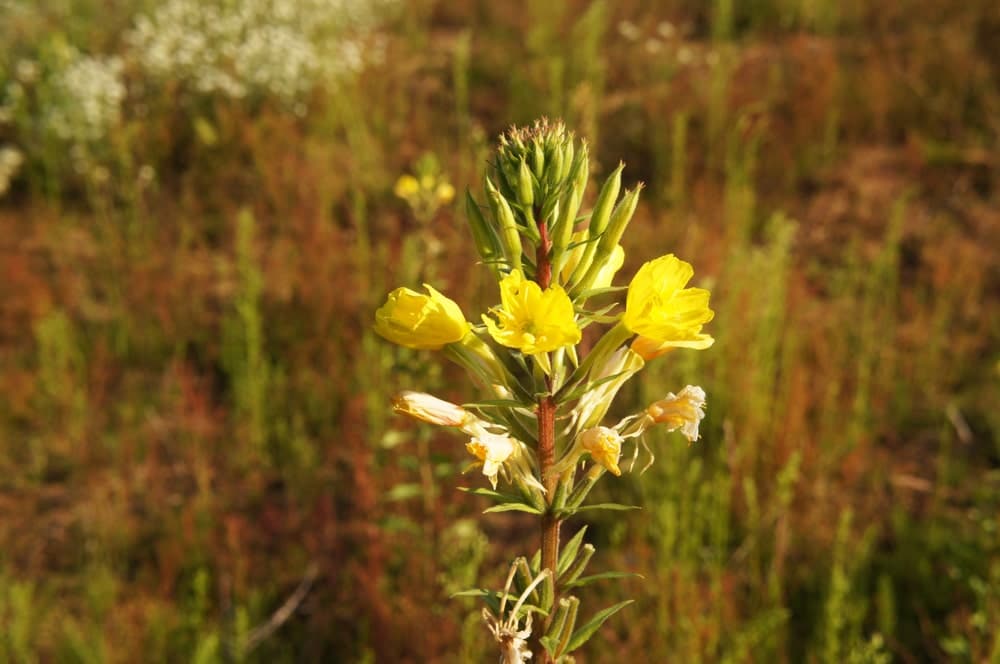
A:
[201, 208]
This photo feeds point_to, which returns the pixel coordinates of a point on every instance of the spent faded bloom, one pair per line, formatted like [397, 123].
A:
[512, 638]
[492, 450]
[660, 309]
[682, 411]
[604, 445]
[430, 409]
[530, 319]
[420, 321]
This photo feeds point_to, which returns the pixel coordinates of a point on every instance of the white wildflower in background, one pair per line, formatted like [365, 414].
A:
[10, 161]
[281, 48]
[86, 101]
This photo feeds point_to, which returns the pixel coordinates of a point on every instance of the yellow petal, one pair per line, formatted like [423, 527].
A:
[421, 321]
[532, 320]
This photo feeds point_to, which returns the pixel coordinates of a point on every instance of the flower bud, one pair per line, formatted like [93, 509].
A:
[525, 189]
[504, 216]
[492, 450]
[599, 217]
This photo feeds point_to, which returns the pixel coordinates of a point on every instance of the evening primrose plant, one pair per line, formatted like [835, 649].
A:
[537, 430]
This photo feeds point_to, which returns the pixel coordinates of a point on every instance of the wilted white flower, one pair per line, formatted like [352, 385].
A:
[512, 638]
[683, 411]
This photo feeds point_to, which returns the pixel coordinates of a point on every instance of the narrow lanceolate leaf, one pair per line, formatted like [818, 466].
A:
[512, 507]
[615, 507]
[483, 234]
[490, 493]
[569, 551]
[580, 564]
[493, 403]
[591, 578]
[583, 634]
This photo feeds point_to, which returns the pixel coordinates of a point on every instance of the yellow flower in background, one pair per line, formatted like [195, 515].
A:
[444, 192]
[605, 446]
[406, 186]
[493, 450]
[660, 308]
[420, 321]
[682, 411]
[532, 320]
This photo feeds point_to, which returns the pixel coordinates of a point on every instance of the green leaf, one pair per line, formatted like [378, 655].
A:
[587, 580]
[493, 403]
[512, 507]
[583, 634]
[615, 507]
[569, 551]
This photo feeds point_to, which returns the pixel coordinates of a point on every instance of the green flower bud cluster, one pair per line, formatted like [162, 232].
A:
[534, 191]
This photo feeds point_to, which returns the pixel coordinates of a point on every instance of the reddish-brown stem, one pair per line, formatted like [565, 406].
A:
[547, 436]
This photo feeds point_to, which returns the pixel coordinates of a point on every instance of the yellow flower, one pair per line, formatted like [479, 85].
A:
[531, 320]
[406, 186]
[682, 411]
[604, 445]
[415, 320]
[659, 308]
[493, 450]
[444, 193]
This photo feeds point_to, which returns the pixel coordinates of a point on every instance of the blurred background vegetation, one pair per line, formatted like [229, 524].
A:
[199, 214]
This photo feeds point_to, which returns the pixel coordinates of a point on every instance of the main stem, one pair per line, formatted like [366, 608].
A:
[547, 439]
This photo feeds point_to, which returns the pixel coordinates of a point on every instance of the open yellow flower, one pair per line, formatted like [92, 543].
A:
[604, 445]
[415, 320]
[662, 311]
[532, 320]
